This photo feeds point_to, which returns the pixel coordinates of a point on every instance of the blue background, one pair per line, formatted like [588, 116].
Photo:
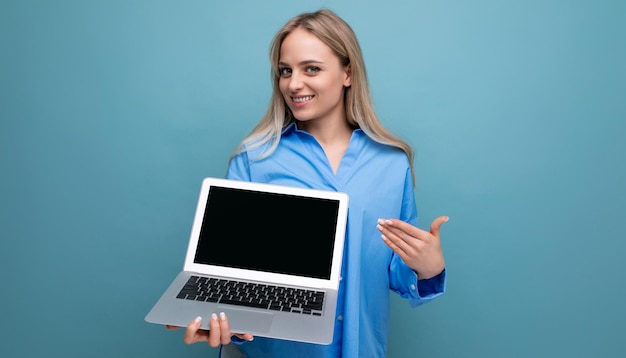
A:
[113, 111]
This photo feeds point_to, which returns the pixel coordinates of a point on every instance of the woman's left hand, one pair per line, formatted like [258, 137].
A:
[419, 249]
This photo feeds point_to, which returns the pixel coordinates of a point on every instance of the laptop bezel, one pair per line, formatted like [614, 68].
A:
[282, 279]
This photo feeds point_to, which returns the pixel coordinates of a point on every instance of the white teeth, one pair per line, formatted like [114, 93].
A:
[302, 99]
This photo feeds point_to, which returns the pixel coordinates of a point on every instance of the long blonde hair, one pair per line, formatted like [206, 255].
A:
[340, 37]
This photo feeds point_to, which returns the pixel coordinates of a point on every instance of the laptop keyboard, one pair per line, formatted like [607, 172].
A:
[286, 299]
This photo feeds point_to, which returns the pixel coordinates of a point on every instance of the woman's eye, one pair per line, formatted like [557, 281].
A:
[312, 69]
[285, 71]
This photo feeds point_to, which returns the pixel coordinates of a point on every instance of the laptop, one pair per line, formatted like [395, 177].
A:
[268, 256]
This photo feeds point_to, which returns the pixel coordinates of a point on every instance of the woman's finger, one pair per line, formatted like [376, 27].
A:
[224, 328]
[246, 336]
[214, 331]
[395, 238]
[191, 333]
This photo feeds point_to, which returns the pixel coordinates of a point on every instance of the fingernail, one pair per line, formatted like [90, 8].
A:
[383, 237]
[388, 222]
[381, 221]
[197, 319]
[223, 316]
[213, 316]
[379, 227]
[447, 218]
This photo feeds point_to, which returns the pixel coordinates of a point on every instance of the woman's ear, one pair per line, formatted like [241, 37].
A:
[348, 80]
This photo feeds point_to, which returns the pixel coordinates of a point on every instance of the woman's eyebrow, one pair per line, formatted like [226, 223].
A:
[302, 63]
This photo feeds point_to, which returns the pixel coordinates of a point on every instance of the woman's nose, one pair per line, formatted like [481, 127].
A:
[295, 81]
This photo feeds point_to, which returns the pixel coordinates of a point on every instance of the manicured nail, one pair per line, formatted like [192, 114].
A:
[447, 218]
[383, 237]
[379, 227]
[381, 221]
[213, 316]
[223, 316]
[197, 319]
[388, 222]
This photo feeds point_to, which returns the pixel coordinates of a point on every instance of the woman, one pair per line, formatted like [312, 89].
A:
[320, 131]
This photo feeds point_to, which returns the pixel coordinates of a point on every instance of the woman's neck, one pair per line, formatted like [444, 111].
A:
[333, 136]
[328, 133]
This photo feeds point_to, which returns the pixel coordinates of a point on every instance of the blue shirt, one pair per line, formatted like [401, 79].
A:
[378, 180]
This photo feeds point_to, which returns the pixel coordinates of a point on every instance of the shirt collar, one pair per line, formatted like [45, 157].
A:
[291, 128]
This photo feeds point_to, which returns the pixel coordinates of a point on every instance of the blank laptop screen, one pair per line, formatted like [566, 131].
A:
[277, 233]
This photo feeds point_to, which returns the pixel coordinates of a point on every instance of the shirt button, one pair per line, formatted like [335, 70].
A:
[413, 287]
[340, 318]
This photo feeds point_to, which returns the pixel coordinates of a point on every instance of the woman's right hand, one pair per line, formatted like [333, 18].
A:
[218, 333]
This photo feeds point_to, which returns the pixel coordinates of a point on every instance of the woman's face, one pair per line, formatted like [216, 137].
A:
[312, 80]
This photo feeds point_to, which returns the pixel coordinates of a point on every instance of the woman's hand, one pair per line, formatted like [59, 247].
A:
[419, 249]
[218, 333]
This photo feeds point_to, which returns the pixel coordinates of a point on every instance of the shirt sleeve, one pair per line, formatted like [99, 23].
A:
[403, 280]
[239, 167]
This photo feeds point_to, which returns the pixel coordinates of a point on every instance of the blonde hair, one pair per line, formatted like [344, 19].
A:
[340, 37]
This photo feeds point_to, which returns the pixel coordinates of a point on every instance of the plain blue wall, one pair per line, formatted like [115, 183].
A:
[113, 111]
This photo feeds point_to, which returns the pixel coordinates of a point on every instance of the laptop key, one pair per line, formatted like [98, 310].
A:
[237, 302]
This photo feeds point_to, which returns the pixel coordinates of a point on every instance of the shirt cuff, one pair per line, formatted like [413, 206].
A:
[432, 286]
[236, 340]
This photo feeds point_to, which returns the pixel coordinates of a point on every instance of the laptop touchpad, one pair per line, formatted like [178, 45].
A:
[245, 321]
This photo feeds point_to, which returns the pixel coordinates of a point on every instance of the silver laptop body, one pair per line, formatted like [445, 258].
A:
[268, 256]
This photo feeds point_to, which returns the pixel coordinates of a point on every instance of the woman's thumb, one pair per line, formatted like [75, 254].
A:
[436, 225]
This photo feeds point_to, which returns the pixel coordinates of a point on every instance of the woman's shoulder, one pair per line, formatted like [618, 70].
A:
[381, 150]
